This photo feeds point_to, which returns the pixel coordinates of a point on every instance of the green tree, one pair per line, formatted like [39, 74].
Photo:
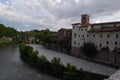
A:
[43, 63]
[70, 71]
[33, 57]
[56, 66]
[7, 31]
[89, 49]
[25, 51]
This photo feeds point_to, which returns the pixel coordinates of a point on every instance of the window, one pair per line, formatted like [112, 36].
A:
[82, 29]
[74, 34]
[74, 42]
[82, 35]
[79, 35]
[78, 43]
[114, 25]
[79, 29]
[101, 35]
[87, 35]
[116, 35]
[100, 45]
[107, 47]
[93, 35]
[107, 42]
[115, 42]
[108, 36]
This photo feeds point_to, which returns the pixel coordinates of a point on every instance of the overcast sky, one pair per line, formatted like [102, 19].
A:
[55, 14]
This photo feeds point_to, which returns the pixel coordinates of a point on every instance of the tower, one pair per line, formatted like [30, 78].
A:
[85, 19]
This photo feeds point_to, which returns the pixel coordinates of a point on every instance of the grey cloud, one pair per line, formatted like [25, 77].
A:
[58, 13]
[69, 8]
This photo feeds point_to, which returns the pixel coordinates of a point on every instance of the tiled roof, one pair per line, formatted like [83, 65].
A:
[105, 29]
[106, 23]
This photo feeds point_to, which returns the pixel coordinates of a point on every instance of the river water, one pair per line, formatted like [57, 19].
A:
[12, 68]
[79, 63]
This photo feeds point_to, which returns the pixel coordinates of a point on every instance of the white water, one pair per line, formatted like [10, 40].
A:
[79, 63]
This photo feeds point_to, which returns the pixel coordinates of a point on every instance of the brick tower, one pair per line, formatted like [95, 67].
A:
[85, 19]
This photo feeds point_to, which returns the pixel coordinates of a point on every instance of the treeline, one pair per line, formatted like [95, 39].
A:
[40, 36]
[7, 31]
[8, 36]
[55, 67]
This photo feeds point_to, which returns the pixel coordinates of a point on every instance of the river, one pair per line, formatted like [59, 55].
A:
[79, 63]
[12, 68]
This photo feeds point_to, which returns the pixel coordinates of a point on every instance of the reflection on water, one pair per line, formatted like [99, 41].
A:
[79, 63]
[12, 68]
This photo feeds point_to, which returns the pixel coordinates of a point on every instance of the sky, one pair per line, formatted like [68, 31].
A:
[25, 15]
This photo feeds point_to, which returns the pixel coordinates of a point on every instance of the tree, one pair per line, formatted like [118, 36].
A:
[56, 67]
[89, 49]
[7, 31]
[70, 71]
[43, 63]
[33, 57]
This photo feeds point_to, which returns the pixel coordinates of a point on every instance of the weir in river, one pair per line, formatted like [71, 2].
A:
[79, 63]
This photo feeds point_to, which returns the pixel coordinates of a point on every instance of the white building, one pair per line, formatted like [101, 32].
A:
[101, 34]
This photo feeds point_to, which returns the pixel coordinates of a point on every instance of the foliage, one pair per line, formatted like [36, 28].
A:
[33, 57]
[54, 68]
[43, 63]
[105, 49]
[7, 31]
[89, 49]
[42, 36]
[70, 70]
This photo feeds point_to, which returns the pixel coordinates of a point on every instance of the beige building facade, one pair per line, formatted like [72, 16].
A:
[103, 35]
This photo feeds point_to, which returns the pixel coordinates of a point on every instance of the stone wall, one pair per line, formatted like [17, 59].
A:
[75, 51]
[110, 57]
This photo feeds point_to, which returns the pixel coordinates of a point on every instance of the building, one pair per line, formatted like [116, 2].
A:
[54, 36]
[26, 39]
[103, 35]
[5, 39]
[64, 34]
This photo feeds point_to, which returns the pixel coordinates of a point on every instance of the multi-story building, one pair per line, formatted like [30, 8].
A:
[101, 34]
[64, 34]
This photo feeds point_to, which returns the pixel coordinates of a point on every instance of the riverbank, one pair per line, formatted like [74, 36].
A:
[56, 48]
[5, 44]
[102, 62]
[55, 67]
[79, 63]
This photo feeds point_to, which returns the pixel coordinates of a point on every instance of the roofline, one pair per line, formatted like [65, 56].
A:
[105, 23]
[76, 24]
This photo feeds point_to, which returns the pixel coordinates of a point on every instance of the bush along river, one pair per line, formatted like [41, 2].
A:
[55, 67]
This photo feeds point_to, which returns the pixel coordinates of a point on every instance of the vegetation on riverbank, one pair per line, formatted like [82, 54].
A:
[4, 44]
[89, 49]
[55, 67]
[8, 36]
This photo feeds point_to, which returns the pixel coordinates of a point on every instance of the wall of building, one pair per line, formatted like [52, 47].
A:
[100, 39]
[79, 36]
[105, 39]
[104, 36]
